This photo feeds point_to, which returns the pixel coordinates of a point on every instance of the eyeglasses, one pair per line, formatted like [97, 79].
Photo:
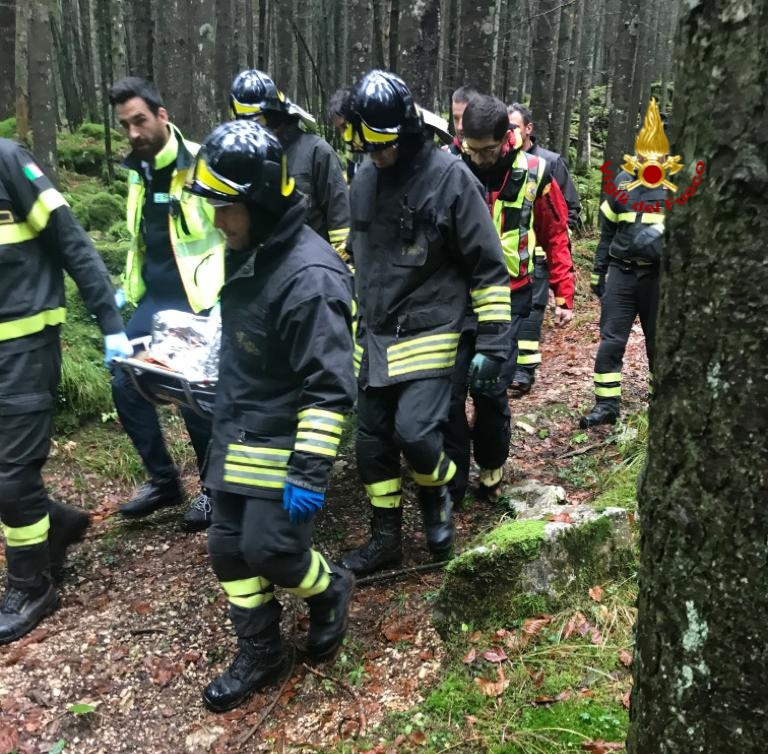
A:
[487, 151]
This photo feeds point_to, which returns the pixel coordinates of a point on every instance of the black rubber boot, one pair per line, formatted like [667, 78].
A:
[383, 549]
[22, 610]
[522, 382]
[328, 615]
[603, 412]
[437, 514]
[200, 514]
[68, 526]
[259, 662]
[152, 496]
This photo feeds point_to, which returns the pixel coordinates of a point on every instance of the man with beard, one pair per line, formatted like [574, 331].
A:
[527, 208]
[176, 261]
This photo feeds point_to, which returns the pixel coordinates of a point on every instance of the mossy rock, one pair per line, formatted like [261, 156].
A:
[103, 210]
[113, 253]
[523, 568]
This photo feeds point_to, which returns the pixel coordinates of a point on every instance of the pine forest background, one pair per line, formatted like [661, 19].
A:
[585, 67]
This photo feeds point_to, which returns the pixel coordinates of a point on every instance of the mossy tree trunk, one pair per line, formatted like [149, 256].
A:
[702, 656]
[8, 58]
[545, 29]
[42, 92]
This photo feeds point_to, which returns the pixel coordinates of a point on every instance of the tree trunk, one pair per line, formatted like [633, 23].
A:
[119, 54]
[225, 56]
[573, 76]
[173, 59]
[360, 15]
[420, 38]
[476, 23]
[544, 46]
[204, 105]
[42, 105]
[621, 133]
[64, 48]
[562, 57]
[22, 71]
[87, 63]
[263, 36]
[104, 37]
[586, 62]
[377, 34]
[140, 38]
[702, 659]
[7, 59]
[394, 35]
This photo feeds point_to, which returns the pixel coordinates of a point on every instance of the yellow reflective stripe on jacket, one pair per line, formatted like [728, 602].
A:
[652, 218]
[319, 431]
[16, 233]
[605, 208]
[48, 201]
[256, 466]
[24, 536]
[36, 220]
[492, 304]
[317, 578]
[18, 328]
[248, 593]
[422, 353]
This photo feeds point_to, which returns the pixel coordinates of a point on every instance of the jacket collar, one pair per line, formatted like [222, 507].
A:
[176, 148]
[288, 227]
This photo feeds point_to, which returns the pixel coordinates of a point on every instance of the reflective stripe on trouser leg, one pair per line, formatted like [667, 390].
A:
[608, 385]
[316, 579]
[441, 474]
[27, 554]
[528, 353]
[248, 593]
[24, 536]
[386, 494]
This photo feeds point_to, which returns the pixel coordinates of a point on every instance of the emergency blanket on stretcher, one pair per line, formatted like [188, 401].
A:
[186, 343]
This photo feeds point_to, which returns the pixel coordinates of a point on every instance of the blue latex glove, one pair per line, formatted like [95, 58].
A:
[300, 504]
[116, 346]
[483, 374]
[119, 298]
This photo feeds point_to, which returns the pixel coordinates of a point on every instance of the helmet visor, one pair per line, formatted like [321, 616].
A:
[242, 110]
[207, 183]
[361, 137]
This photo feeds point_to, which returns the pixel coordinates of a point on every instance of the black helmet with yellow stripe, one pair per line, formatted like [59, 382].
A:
[254, 93]
[241, 161]
[381, 111]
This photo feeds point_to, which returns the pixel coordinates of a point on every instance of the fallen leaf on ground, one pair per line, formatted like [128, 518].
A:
[495, 655]
[601, 747]
[470, 656]
[625, 657]
[533, 626]
[493, 688]
[596, 593]
[560, 518]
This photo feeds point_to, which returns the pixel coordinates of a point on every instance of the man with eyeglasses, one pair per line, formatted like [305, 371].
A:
[527, 208]
[421, 239]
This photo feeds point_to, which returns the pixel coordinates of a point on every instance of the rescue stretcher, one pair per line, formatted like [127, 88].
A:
[178, 363]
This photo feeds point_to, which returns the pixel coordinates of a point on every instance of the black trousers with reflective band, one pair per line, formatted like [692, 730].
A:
[28, 385]
[629, 293]
[489, 435]
[530, 327]
[408, 417]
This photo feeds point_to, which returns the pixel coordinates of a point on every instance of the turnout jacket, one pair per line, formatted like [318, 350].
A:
[285, 370]
[628, 236]
[39, 239]
[421, 238]
[197, 246]
[319, 176]
[561, 174]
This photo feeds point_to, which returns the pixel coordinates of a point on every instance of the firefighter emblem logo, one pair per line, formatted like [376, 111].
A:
[530, 191]
[652, 145]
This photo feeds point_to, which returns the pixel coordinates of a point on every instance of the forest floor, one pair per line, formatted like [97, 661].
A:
[143, 624]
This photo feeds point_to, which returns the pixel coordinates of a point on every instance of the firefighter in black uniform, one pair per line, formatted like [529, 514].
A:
[625, 278]
[338, 107]
[285, 383]
[528, 354]
[421, 239]
[39, 239]
[311, 160]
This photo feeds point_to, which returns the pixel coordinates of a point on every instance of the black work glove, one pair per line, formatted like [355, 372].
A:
[597, 284]
[483, 375]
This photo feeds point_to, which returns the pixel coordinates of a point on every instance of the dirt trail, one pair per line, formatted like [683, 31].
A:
[143, 624]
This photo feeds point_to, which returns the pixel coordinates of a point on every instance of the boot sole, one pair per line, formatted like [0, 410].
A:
[150, 511]
[50, 608]
[273, 676]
